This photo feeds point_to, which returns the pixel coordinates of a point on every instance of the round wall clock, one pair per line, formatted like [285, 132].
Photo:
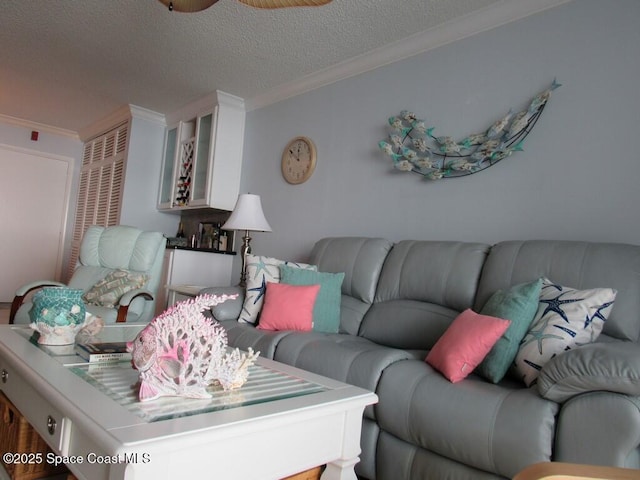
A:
[298, 160]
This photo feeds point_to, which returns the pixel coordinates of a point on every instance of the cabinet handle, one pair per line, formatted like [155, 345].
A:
[4, 376]
[51, 425]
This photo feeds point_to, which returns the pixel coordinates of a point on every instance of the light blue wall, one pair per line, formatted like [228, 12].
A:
[140, 195]
[576, 179]
[19, 136]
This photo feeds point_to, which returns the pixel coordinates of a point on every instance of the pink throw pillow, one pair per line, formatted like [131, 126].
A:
[288, 307]
[465, 343]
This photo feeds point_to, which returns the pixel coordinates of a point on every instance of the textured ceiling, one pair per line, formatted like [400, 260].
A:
[69, 63]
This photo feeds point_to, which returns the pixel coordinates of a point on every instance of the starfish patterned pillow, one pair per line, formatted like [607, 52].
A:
[261, 270]
[566, 318]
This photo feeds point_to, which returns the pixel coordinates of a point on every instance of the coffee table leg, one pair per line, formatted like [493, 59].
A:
[343, 468]
[340, 470]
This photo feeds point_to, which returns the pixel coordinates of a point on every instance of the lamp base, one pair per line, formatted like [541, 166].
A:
[244, 251]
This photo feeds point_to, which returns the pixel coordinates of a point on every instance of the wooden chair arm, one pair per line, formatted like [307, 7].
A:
[123, 309]
[24, 291]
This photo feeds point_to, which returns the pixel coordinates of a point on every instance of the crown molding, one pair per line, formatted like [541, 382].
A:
[40, 127]
[119, 116]
[205, 104]
[98, 127]
[487, 18]
[148, 115]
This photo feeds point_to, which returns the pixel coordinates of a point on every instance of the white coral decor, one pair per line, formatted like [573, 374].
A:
[181, 353]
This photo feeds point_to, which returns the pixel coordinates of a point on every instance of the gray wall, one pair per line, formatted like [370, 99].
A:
[576, 179]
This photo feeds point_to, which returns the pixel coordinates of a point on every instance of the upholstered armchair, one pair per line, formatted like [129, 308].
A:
[119, 269]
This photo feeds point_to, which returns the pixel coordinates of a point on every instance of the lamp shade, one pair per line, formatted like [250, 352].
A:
[247, 215]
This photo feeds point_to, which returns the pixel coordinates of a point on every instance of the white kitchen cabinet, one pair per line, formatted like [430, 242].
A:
[180, 293]
[202, 158]
[193, 268]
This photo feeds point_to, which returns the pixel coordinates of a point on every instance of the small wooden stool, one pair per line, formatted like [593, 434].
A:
[312, 474]
[18, 436]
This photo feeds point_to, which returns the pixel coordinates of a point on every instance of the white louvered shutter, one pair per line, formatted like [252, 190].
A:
[100, 187]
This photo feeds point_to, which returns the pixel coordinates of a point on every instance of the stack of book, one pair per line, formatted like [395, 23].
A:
[103, 351]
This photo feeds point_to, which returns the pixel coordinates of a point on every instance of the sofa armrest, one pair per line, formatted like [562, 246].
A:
[600, 428]
[612, 367]
[230, 309]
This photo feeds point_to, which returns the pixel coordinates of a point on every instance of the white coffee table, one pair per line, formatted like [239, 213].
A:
[283, 421]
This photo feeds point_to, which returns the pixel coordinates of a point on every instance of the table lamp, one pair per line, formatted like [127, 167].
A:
[247, 215]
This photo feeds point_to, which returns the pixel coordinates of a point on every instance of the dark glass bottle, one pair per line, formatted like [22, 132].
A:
[180, 233]
[216, 237]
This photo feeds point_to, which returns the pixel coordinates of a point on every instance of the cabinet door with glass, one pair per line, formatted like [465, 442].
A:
[186, 146]
[203, 159]
[186, 168]
[169, 162]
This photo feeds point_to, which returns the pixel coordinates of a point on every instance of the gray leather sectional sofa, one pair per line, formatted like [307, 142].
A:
[398, 299]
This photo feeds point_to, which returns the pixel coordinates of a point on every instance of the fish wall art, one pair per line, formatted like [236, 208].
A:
[413, 147]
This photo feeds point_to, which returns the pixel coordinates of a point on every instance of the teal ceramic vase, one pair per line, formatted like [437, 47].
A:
[57, 314]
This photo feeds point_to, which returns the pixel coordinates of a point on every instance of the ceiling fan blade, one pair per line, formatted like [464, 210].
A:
[187, 6]
[284, 3]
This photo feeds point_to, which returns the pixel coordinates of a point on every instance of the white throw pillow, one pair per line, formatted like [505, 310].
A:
[566, 318]
[261, 270]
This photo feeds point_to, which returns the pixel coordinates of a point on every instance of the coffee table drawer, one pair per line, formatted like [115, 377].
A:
[52, 426]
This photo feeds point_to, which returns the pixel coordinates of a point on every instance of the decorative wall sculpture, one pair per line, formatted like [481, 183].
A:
[414, 148]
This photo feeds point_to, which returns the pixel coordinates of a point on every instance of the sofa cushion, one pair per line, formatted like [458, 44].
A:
[288, 307]
[518, 304]
[245, 336]
[261, 270]
[465, 343]
[612, 367]
[472, 422]
[423, 287]
[110, 315]
[399, 460]
[566, 318]
[361, 260]
[347, 358]
[326, 310]
[581, 265]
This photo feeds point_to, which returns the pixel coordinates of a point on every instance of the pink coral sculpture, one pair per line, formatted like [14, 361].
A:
[181, 353]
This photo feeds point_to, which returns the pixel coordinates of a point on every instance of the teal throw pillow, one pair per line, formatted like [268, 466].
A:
[518, 304]
[326, 311]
